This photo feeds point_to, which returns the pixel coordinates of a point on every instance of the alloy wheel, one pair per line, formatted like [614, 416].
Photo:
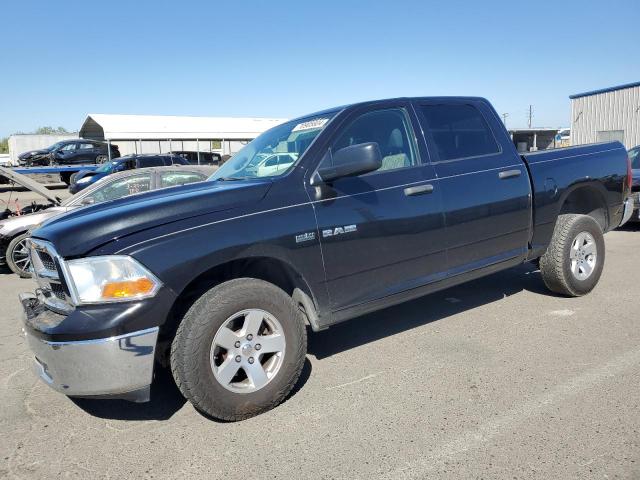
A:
[247, 351]
[583, 255]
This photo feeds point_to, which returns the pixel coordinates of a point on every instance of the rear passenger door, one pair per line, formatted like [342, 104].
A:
[484, 183]
[85, 153]
[380, 232]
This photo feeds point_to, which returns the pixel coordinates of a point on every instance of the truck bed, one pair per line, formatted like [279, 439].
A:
[556, 174]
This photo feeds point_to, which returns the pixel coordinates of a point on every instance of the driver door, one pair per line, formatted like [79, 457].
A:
[381, 232]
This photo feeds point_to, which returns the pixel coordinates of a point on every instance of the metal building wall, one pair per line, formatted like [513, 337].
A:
[614, 110]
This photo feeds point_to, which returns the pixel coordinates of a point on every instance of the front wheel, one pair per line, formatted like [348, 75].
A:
[573, 262]
[239, 349]
[17, 256]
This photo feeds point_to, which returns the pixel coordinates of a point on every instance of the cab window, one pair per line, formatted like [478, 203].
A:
[459, 131]
[174, 179]
[390, 129]
[120, 188]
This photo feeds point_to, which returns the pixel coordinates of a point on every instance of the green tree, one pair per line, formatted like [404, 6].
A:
[50, 131]
[4, 142]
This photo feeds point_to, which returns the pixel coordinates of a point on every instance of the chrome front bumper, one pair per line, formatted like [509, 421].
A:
[119, 367]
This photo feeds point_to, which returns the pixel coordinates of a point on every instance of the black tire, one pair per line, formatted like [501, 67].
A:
[15, 261]
[66, 177]
[191, 348]
[556, 263]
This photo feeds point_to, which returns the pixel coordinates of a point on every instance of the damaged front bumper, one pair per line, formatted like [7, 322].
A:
[114, 367]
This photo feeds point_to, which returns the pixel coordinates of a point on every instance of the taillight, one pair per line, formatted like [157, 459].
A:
[629, 174]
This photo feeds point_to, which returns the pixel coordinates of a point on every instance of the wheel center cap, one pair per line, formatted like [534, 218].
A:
[246, 349]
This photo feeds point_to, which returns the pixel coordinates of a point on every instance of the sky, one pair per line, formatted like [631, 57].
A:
[65, 59]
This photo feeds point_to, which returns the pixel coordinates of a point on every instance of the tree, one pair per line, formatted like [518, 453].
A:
[50, 131]
[4, 142]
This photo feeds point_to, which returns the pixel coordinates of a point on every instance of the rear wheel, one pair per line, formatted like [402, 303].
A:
[573, 262]
[17, 256]
[101, 158]
[239, 349]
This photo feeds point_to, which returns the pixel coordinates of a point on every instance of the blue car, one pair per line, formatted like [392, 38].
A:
[84, 178]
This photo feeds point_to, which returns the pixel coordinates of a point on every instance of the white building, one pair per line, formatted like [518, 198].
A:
[606, 115]
[164, 133]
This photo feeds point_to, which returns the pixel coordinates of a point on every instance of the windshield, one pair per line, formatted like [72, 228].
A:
[107, 167]
[55, 146]
[634, 156]
[275, 151]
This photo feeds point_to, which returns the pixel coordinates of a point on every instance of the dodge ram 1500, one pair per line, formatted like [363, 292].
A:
[385, 201]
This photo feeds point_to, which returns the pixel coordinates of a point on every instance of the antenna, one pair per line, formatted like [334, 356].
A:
[530, 115]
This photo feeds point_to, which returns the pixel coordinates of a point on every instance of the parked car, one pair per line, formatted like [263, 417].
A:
[274, 163]
[634, 157]
[387, 201]
[206, 158]
[69, 152]
[14, 231]
[84, 178]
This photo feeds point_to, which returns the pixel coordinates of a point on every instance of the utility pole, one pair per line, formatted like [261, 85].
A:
[504, 118]
[530, 114]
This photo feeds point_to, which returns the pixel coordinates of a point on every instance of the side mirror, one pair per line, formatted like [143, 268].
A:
[88, 201]
[349, 162]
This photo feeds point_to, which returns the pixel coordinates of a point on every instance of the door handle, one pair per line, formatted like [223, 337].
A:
[419, 190]
[509, 174]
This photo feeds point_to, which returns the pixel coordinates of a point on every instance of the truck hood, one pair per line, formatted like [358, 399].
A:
[87, 228]
[30, 184]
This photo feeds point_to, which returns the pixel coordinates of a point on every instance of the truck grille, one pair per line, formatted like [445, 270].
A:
[48, 273]
[46, 260]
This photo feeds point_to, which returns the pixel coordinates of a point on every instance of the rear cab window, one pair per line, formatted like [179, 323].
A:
[458, 131]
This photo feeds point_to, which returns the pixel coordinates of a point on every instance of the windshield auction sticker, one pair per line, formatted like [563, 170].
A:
[311, 124]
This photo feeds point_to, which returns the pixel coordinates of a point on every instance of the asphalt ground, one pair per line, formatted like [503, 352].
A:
[496, 378]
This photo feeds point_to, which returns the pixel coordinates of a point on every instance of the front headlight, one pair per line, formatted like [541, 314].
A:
[112, 278]
[84, 180]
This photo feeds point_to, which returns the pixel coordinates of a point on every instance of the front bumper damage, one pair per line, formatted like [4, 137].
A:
[113, 367]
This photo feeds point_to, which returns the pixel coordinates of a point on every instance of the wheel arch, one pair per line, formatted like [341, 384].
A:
[270, 269]
[586, 198]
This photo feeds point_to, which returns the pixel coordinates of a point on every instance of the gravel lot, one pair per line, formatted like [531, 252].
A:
[493, 379]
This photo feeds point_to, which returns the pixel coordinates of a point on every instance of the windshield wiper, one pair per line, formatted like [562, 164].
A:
[231, 179]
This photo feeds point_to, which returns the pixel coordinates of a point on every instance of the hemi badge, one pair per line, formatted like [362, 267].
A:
[305, 237]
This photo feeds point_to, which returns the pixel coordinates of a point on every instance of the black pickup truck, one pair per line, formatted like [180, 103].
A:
[382, 202]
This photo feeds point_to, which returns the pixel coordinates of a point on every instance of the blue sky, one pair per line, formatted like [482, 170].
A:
[65, 59]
